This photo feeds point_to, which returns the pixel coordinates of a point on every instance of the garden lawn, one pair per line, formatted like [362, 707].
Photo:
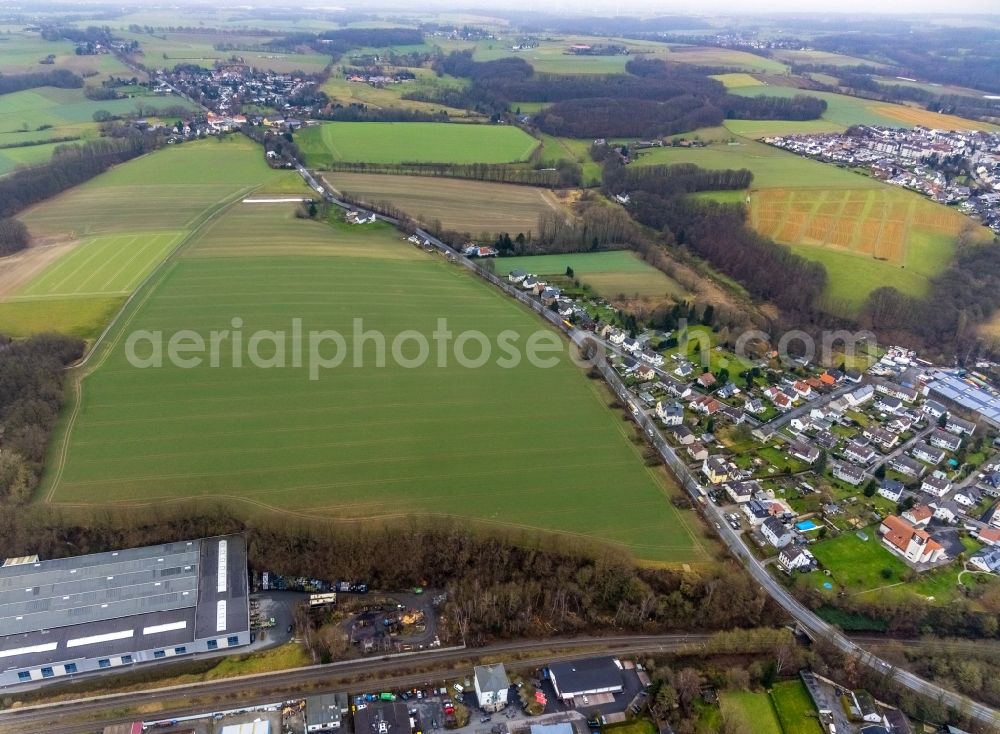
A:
[796, 711]
[356, 443]
[756, 709]
[609, 273]
[413, 142]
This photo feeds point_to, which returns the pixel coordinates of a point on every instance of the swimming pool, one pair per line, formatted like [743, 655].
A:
[805, 526]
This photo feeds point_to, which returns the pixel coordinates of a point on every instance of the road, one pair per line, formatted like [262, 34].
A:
[806, 618]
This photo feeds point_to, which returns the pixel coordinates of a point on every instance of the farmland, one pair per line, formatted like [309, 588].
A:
[413, 142]
[755, 709]
[610, 274]
[341, 91]
[356, 443]
[95, 243]
[725, 57]
[463, 206]
[865, 233]
[168, 48]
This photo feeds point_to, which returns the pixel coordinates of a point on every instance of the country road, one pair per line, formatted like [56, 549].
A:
[806, 618]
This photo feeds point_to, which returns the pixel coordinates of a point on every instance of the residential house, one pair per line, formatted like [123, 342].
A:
[684, 369]
[740, 492]
[676, 388]
[630, 365]
[617, 337]
[516, 276]
[847, 473]
[802, 389]
[900, 424]
[756, 511]
[946, 510]
[776, 532]
[936, 484]
[901, 392]
[707, 380]
[630, 345]
[860, 396]
[804, 452]
[826, 440]
[888, 404]
[853, 375]
[492, 686]
[912, 543]
[987, 559]
[919, 515]
[670, 412]
[944, 440]
[828, 379]
[796, 559]
[706, 405]
[956, 425]
[729, 390]
[989, 536]
[783, 402]
[990, 484]
[884, 439]
[927, 453]
[754, 405]
[736, 415]
[715, 469]
[684, 435]
[645, 372]
[891, 489]
[549, 296]
[967, 496]
[800, 423]
[654, 358]
[906, 466]
[697, 451]
[934, 409]
[859, 452]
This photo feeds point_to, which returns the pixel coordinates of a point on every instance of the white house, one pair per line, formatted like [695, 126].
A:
[927, 453]
[860, 396]
[936, 484]
[796, 559]
[891, 489]
[987, 559]
[912, 543]
[944, 440]
[967, 497]
[958, 426]
[934, 409]
[847, 473]
[492, 686]
[670, 412]
[776, 532]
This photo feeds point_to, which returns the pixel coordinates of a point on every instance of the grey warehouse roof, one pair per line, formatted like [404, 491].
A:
[586, 675]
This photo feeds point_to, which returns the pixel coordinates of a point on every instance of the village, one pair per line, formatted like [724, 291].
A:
[918, 159]
[897, 456]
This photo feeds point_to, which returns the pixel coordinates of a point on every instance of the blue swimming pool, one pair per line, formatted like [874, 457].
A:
[805, 526]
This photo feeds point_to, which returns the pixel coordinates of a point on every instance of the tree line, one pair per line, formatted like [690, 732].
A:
[62, 78]
[565, 174]
[71, 165]
[31, 379]
[13, 236]
[718, 232]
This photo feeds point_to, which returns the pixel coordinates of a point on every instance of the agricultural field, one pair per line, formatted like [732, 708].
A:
[796, 712]
[737, 80]
[822, 58]
[28, 155]
[556, 149]
[756, 709]
[167, 49]
[865, 233]
[22, 51]
[413, 142]
[725, 57]
[464, 206]
[756, 129]
[610, 274]
[845, 110]
[354, 444]
[552, 57]
[93, 244]
[341, 91]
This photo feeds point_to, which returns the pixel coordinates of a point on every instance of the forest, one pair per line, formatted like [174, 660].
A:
[62, 78]
[31, 379]
[653, 99]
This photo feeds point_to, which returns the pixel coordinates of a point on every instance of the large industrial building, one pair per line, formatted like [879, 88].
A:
[111, 610]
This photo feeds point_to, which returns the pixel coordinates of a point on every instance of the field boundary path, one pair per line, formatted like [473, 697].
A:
[807, 619]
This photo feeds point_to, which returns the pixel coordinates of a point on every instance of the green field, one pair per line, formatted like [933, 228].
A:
[116, 228]
[737, 80]
[610, 274]
[370, 443]
[106, 265]
[413, 142]
[29, 155]
[556, 149]
[167, 49]
[756, 709]
[796, 711]
[341, 91]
